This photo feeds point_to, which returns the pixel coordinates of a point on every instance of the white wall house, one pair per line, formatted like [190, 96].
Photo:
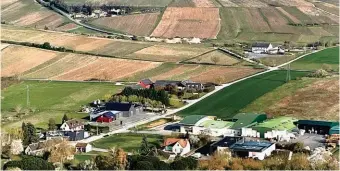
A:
[72, 125]
[177, 146]
[283, 135]
[262, 154]
[261, 47]
[83, 147]
[253, 149]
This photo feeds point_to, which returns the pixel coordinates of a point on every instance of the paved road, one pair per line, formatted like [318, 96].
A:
[191, 102]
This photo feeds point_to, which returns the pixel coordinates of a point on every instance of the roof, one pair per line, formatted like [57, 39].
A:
[246, 119]
[279, 123]
[334, 130]
[192, 119]
[109, 114]
[261, 44]
[146, 81]
[253, 146]
[172, 141]
[318, 123]
[73, 123]
[118, 106]
[227, 141]
[75, 135]
[214, 124]
[81, 145]
[166, 82]
[34, 146]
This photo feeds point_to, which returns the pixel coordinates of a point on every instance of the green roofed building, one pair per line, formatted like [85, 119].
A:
[244, 120]
[314, 126]
[193, 120]
[334, 130]
[279, 124]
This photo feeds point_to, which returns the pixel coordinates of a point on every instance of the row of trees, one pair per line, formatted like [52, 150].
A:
[45, 45]
[157, 95]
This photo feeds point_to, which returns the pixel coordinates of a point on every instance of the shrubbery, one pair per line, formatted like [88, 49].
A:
[30, 163]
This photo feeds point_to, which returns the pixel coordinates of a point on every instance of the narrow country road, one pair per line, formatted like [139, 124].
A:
[191, 102]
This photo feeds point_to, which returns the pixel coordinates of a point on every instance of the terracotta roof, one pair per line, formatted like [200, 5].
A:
[73, 123]
[81, 145]
[170, 141]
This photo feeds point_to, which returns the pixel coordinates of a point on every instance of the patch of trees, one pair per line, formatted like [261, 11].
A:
[143, 94]
[29, 163]
[45, 45]
[29, 134]
[8, 81]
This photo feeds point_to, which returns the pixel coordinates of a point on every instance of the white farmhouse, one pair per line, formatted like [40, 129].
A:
[72, 125]
[177, 146]
[83, 147]
[261, 47]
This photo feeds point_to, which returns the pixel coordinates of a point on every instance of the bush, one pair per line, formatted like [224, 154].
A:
[30, 163]
[144, 165]
[209, 89]
[319, 74]
[193, 97]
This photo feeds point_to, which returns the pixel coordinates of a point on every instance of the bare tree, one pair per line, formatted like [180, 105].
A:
[215, 59]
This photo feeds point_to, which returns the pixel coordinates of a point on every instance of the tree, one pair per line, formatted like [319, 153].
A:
[46, 45]
[144, 165]
[215, 59]
[103, 162]
[30, 163]
[61, 152]
[145, 147]
[194, 140]
[119, 159]
[29, 134]
[217, 162]
[87, 165]
[51, 124]
[64, 119]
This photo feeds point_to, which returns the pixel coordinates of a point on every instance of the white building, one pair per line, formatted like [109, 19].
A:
[261, 47]
[83, 147]
[72, 125]
[252, 149]
[176, 146]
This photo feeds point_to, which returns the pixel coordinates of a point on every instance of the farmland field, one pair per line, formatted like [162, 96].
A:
[317, 60]
[230, 100]
[220, 57]
[139, 3]
[51, 99]
[137, 24]
[243, 3]
[302, 99]
[29, 13]
[188, 22]
[120, 140]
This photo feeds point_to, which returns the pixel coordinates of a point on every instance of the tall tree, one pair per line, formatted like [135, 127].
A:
[145, 147]
[119, 159]
[65, 118]
[51, 124]
[29, 134]
[60, 152]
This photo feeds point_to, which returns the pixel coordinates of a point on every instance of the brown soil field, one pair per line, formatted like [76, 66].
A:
[175, 72]
[3, 45]
[317, 101]
[319, 31]
[328, 7]
[203, 3]
[66, 63]
[137, 24]
[243, 3]
[297, 3]
[291, 17]
[255, 20]
[107, 69]
[18, 59]
[223, 58]
[67, 27]
[223, 74]
[277, 22]
[318, 15]
[188, 22]
[169, 53]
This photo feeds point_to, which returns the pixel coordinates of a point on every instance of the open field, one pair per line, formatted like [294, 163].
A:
[215, 57]
[67, 27]
[309, 98]
[30, 13]
[18, 59]
[334, 9]
[230, 100]
[169, 53]
[188, 22]
[137, 24]
[288, 2]
[129, 142]
[134, 3]
[318, 60]
[51, 100]
[243, 3]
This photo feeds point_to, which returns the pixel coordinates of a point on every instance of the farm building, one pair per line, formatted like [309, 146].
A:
[334, 130]
[76, 135]
[194, 86]
[161, 84]
[145, 83]
[83, 147]
[197, 124]
[110, 115]
[72, 125]
[260, 47]
[128, 109]
[245, 120]
[252, 149]
[317, 127]
[222, 146]
[285, 124]
[176, 146]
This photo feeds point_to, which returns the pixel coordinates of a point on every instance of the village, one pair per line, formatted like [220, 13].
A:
[148, 109]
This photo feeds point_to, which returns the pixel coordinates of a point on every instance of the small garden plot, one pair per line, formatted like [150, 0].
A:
[215, 57]
[129, 142]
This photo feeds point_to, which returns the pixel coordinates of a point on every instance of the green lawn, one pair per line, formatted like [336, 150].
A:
[128, 141]
[230, 100]
[317, 60]
[52, 99]
[87, 156]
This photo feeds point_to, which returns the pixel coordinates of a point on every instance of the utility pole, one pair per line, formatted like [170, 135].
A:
[288, 78]
[27, 96]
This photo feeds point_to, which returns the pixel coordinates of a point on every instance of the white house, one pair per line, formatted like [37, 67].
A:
[252, 149]
[177, 146]
[72, 125]
[35, 149]
[261, 47]
[83, 147]
[282, 135]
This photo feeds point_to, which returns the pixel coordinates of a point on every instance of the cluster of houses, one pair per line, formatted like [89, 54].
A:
[162, 84]
[98, 14]
[266, 48]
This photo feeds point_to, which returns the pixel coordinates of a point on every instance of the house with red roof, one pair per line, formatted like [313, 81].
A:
[145, 83]
[176, 146]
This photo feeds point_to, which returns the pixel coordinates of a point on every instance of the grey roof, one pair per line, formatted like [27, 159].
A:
[261, 44]
[34, 146]
[227, 141]
[253, 146]
[73, 123]
[75, 135]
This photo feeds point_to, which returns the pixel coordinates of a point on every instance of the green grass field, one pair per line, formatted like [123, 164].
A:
[128, 141]
[52, 99]
[230, 100]
[317, 60]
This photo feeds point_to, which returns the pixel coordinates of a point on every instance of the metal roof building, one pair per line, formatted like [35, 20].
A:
[243, 120]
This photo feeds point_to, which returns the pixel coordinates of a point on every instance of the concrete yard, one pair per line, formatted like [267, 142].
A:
[311, 140]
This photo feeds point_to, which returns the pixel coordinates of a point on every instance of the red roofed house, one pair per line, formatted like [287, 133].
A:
[145, 83]
[106, 117]
[177, 146]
